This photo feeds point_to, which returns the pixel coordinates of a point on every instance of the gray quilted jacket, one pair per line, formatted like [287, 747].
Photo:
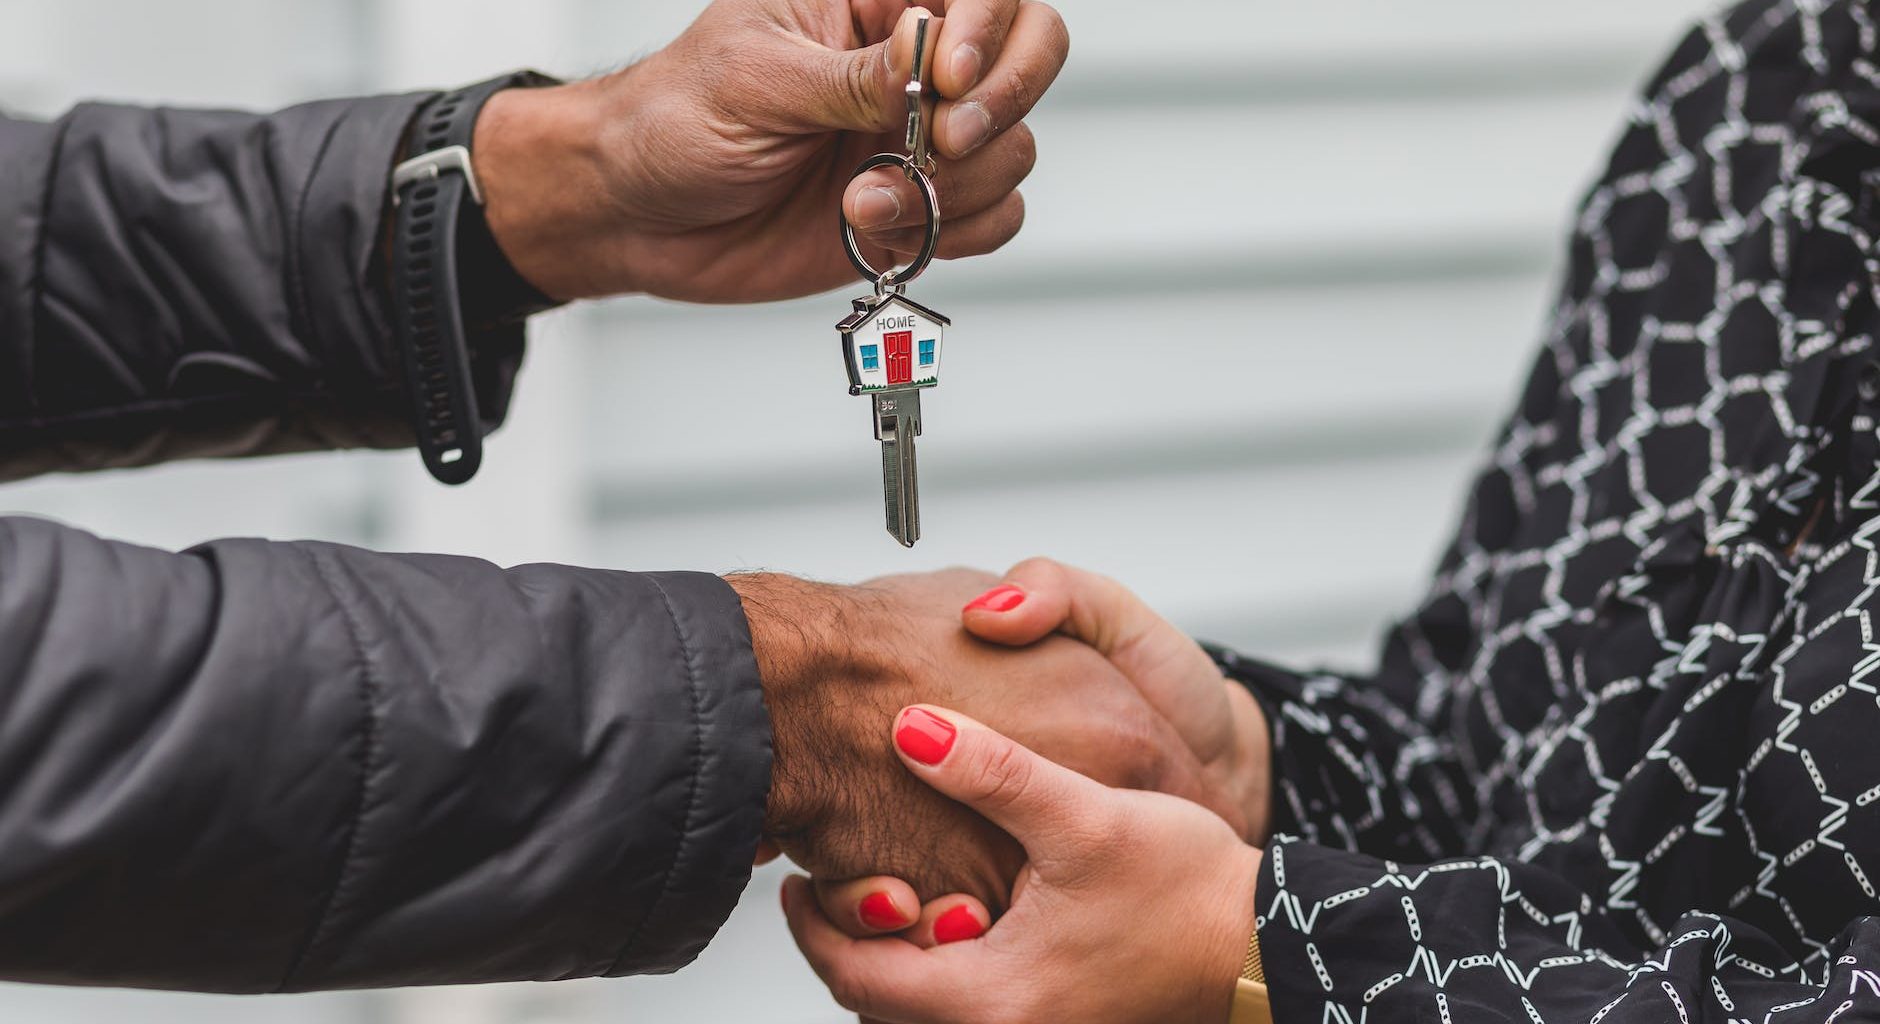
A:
[258, 766]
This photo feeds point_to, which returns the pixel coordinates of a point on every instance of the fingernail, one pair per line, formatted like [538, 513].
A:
[924, 736]
[966, 64]
[876, 206]
[783, 896]
[957, 925]
[969, 126]
[1002, 598]
[879, 912]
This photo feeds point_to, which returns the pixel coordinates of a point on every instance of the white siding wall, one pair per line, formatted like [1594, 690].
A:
[1298, 251]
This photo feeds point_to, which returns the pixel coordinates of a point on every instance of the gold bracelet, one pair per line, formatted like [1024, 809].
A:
[1251, 969]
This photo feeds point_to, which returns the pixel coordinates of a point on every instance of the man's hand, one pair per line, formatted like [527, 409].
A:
[712, 170]
[839, 662]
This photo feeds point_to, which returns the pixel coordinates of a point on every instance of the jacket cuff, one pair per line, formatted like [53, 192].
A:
[29, 148]
[730, 780]
[207, 284]
[1273, 689]
[1294, 973]
[348, 201]
[565, 771]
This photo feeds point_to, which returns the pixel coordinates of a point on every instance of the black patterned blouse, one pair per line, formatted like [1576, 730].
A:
[1623, 763]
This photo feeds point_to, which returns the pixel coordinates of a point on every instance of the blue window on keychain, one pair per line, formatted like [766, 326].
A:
[926, 353]
[871, 357]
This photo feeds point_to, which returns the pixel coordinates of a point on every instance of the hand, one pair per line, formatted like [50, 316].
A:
[838, 662]
[712, 170]
[1218, 719]
[1133, 906]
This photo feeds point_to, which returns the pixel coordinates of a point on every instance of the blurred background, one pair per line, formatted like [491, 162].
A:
[1298, 253]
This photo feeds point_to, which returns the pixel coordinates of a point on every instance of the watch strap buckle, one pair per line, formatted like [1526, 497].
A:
[431, 166]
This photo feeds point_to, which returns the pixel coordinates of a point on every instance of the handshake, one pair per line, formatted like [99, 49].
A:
[938, 770]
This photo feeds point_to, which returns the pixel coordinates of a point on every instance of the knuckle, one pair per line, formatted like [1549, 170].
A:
[1026, 145]
[1061, 35]
[1039, 569]
[1020, 97]
[858, 89]
[1057, 33]
[1002, 777]
[1141, 758]
[1124, 826]
[1014, 219]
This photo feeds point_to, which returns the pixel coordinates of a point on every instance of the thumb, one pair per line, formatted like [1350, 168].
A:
[1039, 802]
[860, 90]
[1170, 670]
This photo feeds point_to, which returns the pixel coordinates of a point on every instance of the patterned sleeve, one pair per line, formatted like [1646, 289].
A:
[1371, 906]
[1357, 769]
[1487, 939]
[1619, 766]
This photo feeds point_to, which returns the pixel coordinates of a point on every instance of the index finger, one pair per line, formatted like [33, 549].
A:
[1035, 48]
[971, 39]
[1047, 807]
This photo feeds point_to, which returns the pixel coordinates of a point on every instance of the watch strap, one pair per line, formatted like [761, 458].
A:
[428, 193]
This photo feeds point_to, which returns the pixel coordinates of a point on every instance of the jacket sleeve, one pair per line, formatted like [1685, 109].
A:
[1349, 937]
[259, 766]
[182, 283]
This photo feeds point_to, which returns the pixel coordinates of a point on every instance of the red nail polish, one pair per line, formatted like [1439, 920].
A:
[879, 912]
[1002, 598]
[924, 736]
[957, 925]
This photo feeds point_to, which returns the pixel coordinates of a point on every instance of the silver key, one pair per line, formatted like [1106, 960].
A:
[897, 424]
[891, 346]
[891, 343]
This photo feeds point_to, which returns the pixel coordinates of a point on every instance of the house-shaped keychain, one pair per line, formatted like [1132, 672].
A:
[892, 343]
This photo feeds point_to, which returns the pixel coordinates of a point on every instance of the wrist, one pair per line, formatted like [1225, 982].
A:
[1224, 958]
[798, 635]
[539, 160]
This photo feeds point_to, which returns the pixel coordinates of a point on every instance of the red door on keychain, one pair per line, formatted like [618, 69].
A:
[899, 346]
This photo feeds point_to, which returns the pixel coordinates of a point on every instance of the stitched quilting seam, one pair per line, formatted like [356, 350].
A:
[368, 691]
[692, 794]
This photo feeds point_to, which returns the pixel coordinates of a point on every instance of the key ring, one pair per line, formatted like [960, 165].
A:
[890, 343]
[918, 166]
[918, 175]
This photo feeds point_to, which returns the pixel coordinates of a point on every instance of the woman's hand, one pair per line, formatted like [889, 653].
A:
[840, 803]
[1218, 719]
[1132, 906]
[711, 171]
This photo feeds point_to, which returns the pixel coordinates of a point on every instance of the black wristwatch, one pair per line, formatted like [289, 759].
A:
[448, 276]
